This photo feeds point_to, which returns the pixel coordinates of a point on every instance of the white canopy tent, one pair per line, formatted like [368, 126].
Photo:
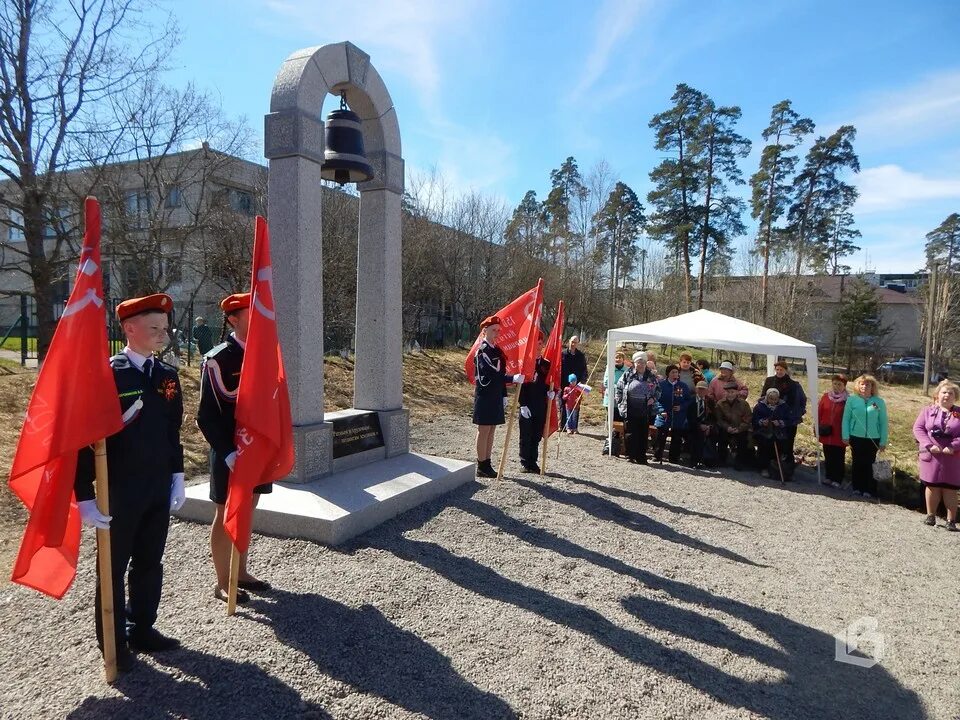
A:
[704, 328]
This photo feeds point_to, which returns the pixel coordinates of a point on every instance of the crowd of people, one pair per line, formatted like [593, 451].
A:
[689, 414]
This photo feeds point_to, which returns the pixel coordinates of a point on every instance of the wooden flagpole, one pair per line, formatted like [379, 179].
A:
[105, 565]
[546, 435]
[234, 580]
[506, 435]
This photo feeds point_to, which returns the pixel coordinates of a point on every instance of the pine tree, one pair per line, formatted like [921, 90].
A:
[943, 244]
[717, 147]
[837, 235]
[943, 250]
[819, 191]
[567, 188]
[859, 321]
[619, 224]
[677, 179]
[771, 183]
[526, 227]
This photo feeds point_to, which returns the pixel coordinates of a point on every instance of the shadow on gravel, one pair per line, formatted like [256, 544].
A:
[647, 499]
[199, 687]
[607, 510]
[362, 648]
[814, 687]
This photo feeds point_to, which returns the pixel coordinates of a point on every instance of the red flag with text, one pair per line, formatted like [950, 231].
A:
[73, 404]
[264, 434]
[519, 324]
[552, 352]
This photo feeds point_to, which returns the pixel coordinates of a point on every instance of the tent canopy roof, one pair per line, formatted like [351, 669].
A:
[704, 328]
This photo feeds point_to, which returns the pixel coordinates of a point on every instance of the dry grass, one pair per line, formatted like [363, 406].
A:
[433, 383]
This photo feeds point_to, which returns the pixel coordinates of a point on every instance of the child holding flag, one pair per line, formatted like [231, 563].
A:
[571, 401]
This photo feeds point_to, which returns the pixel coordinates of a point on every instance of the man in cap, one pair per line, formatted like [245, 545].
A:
[734, 420]
[219, 381]
[145, 463]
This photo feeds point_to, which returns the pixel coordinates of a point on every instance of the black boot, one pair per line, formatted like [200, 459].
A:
[485, 469]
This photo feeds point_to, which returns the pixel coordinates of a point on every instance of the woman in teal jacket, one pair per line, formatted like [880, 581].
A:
[865, 430]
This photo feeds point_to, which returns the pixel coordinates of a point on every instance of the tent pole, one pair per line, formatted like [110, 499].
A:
[611, 393]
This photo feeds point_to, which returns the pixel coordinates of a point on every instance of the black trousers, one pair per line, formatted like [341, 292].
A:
[677, 439]
[738, 441]
[137, 539]
[702, 445]
[833, 462]
[531, 432]
[786, 446]
[864, 452]
[767, 448]
[636, 431]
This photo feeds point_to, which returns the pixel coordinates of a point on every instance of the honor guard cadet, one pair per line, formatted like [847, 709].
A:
[490, 392]
[533, 411]
[145, 463]
[220, 379]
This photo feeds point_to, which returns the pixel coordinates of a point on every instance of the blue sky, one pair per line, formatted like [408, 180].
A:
[496, 94]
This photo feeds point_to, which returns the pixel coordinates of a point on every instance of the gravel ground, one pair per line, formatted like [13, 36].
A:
[604, 590]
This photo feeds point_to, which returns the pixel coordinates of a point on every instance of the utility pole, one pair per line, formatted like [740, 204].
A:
[931, 304]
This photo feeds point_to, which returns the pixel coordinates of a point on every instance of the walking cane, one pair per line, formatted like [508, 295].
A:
[776, 450]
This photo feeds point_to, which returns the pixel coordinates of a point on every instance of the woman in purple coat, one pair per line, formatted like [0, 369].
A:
[937, 429]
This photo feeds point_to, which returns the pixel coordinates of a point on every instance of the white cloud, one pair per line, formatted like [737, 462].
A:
[403, 37]
[890, 187]
[910, 115]
[614, 22]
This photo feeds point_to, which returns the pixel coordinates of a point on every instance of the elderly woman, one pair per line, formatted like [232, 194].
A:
[937, 430]
[864, 428]
[673, 397]
[718, 386]
[635, 396]
[830, 422]
[772, 420]
[490, 392]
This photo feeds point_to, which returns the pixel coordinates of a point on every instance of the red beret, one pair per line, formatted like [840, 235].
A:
[161, 302]
[487, 322]
[237, 301]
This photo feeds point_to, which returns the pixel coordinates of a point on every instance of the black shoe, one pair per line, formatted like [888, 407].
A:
[931, 520]
[642, 461]
[658, 458]
[151, 640]
[221, 595]
[952, 526]
[524, 467]
[485, 469]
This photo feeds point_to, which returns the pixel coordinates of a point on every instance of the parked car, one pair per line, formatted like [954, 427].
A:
[906, 371]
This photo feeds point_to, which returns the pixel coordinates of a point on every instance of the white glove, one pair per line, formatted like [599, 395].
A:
[506, 401]
[551, 394]
[525, 412]
[90, 515]
[231, 460]
[518, 379]
[178, 492]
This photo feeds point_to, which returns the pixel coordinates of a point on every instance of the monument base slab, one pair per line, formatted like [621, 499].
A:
[341, 506]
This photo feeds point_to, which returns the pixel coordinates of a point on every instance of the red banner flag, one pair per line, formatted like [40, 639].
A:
[74, 404]
[552, 352]
[264, 435]
[519, 324]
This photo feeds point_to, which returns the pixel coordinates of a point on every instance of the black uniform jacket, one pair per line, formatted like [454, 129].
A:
[216, 417]
[142, 457]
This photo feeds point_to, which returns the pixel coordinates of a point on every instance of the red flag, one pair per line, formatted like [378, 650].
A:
[264, 434]
[552, 352]
[519, 324]
[74, 404]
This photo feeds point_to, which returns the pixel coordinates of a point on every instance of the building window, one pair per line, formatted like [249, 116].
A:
[137, 206]
[174, 198]
[15, 228]
[241, 201]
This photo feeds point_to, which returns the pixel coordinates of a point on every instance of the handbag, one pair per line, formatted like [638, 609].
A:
[883, 470]
[826, 430]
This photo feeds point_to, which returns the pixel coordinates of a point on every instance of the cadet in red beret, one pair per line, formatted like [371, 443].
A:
[490, 392]
[145, 462]
[220, 378]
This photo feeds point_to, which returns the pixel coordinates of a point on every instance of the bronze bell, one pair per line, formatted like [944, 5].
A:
[344, 160]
